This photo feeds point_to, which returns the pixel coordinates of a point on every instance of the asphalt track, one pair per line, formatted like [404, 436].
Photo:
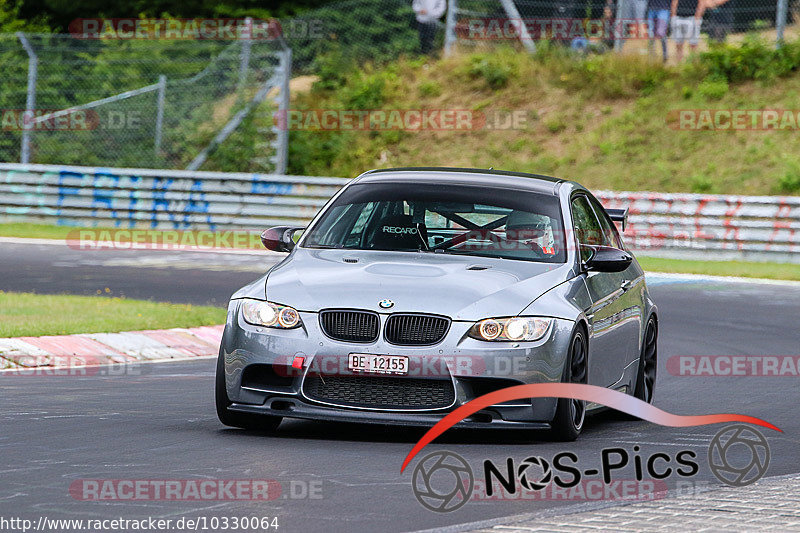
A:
[158, 421]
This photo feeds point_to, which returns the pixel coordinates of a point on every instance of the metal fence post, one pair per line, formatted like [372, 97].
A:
[282, 141]
[450, 27]
[162, 87]
[244, 64]
[519, 24]
[30, 100]
[780, 21]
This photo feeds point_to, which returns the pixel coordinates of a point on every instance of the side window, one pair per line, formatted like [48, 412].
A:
[610, 234]
[587, 228]
[353, 237]
[434, 220]
[361, 221]
[330, 237]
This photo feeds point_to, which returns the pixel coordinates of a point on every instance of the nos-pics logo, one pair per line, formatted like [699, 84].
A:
[443, 481]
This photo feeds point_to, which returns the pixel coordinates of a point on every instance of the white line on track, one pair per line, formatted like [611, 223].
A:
[688, 278]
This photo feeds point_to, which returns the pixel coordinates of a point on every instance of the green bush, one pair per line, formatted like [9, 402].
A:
[555, 124]
[609, 76]
[700, 183]
[366, 92]
[790, 181]
[366, 30]
[332, 69]
[495, 69]
[429, 88]
[713, 88]
[312, 153]
[753, 59]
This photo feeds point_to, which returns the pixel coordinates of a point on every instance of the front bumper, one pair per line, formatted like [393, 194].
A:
[297, 408]
[259, 377]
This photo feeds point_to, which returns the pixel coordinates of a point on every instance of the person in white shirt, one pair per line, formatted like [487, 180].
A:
[428, 13]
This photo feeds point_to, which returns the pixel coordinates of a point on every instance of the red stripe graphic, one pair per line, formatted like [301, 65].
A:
[590, 393]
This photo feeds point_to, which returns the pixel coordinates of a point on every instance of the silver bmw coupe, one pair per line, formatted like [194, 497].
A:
[416, 290]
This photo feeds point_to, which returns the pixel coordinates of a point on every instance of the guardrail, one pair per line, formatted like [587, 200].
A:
[758, 228]
[160, 199]
[762, 228]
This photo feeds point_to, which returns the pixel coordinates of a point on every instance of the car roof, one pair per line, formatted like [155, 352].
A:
[466, 176]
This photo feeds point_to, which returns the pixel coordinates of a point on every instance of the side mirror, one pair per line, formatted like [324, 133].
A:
[605, 259]
[279, 238]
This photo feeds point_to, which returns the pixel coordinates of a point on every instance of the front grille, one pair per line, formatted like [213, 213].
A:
[380, 392]
[415, 330]
[353, 326]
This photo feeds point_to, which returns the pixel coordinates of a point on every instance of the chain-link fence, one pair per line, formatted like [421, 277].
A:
[606, 24]
[366, 30]
[207, 103]
[383, 30]
[140, 103]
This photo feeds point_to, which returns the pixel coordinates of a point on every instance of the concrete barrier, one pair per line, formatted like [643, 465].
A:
[765, 228]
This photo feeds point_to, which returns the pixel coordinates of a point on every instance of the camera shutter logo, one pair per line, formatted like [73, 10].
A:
[738, 455]
[527, 482]
[443, 482]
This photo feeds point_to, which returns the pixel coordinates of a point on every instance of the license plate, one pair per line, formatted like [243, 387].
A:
[379, 364]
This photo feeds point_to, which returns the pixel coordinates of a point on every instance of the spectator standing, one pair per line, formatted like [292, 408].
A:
[657, 25]
[629, 12]
[687, 17]
[720, 19]
[428, 13]
[609, 22]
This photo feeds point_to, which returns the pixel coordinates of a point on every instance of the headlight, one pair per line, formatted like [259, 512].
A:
[270, 314]
[518, 328]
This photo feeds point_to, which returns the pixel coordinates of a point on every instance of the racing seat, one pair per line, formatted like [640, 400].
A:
[398, 232]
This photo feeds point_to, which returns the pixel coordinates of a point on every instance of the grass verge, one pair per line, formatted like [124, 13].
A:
[34, 231]
[26, 314]
[744, 269]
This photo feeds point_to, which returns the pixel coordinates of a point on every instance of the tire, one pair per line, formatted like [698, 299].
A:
[236, 419]
[571, 414]
[648, 364]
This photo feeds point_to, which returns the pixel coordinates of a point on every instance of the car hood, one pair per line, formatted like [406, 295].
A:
[461, 287]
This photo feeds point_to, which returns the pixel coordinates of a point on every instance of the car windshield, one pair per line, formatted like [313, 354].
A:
[443, 218]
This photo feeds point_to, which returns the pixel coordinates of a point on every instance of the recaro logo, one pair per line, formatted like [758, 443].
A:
[399, 230]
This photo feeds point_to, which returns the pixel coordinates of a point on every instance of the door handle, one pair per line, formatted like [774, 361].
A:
[626, 285]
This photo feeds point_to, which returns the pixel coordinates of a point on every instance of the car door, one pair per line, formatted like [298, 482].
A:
[608, 350]
[630, 320]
